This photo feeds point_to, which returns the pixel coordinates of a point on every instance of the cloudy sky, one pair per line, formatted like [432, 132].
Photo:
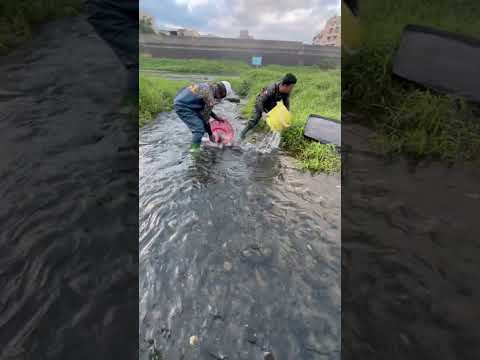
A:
[297, 20]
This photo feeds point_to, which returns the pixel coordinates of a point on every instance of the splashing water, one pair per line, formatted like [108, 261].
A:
[269, 143]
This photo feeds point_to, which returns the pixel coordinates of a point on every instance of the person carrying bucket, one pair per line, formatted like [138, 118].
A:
[268, 98]
[194, 106]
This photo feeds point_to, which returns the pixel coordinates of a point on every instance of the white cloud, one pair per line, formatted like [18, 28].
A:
[297, 20]
[170, 26]
[280, 19]
[296, 16]
[224, 23]
[192, 4]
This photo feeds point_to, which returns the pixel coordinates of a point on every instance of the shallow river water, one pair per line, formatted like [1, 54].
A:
[239, 250]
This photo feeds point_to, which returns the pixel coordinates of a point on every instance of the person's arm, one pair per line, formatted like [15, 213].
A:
[286, 101]
[208, 129]
[215, 116]
[205, 115]
[205, 93]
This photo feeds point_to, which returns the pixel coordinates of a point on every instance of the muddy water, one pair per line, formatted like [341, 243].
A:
[237, 248]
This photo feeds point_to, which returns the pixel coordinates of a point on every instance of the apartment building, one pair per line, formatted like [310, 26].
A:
[331, 34]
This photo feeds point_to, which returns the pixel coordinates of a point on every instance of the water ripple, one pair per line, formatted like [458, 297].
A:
[237, 247]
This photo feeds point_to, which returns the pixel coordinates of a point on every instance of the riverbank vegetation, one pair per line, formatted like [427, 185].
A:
[416, 122]
[19, 18]
[194, 66]
[156, 95]
[317, 92]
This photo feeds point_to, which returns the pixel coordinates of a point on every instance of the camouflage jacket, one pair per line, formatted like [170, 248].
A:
[204, 92]
[268, 98]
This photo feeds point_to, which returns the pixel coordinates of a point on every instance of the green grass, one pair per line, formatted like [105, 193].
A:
[156, 95]
[228, 67]
[416, 122]
[317, 92]
[20, 18]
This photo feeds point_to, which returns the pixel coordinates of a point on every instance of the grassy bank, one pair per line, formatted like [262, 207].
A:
[194, 66]
[317, 92]
[412, 121]
[20, 18]
[156, 95]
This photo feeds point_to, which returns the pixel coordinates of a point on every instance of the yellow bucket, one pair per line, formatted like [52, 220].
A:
[279, 118]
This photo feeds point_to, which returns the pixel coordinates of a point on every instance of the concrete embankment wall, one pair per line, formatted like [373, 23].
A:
[272, 52]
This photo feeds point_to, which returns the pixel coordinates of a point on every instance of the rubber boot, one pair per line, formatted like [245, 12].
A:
[195, 148]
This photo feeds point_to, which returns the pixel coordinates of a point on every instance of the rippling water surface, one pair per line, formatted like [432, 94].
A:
[237, 248]
[68, 225]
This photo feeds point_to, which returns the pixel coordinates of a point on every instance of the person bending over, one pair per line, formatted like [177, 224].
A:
[194, 106]
[268, 98]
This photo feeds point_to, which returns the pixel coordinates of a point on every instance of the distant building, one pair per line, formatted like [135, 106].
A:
[184, 33]
[244, 35]
[331, 35]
